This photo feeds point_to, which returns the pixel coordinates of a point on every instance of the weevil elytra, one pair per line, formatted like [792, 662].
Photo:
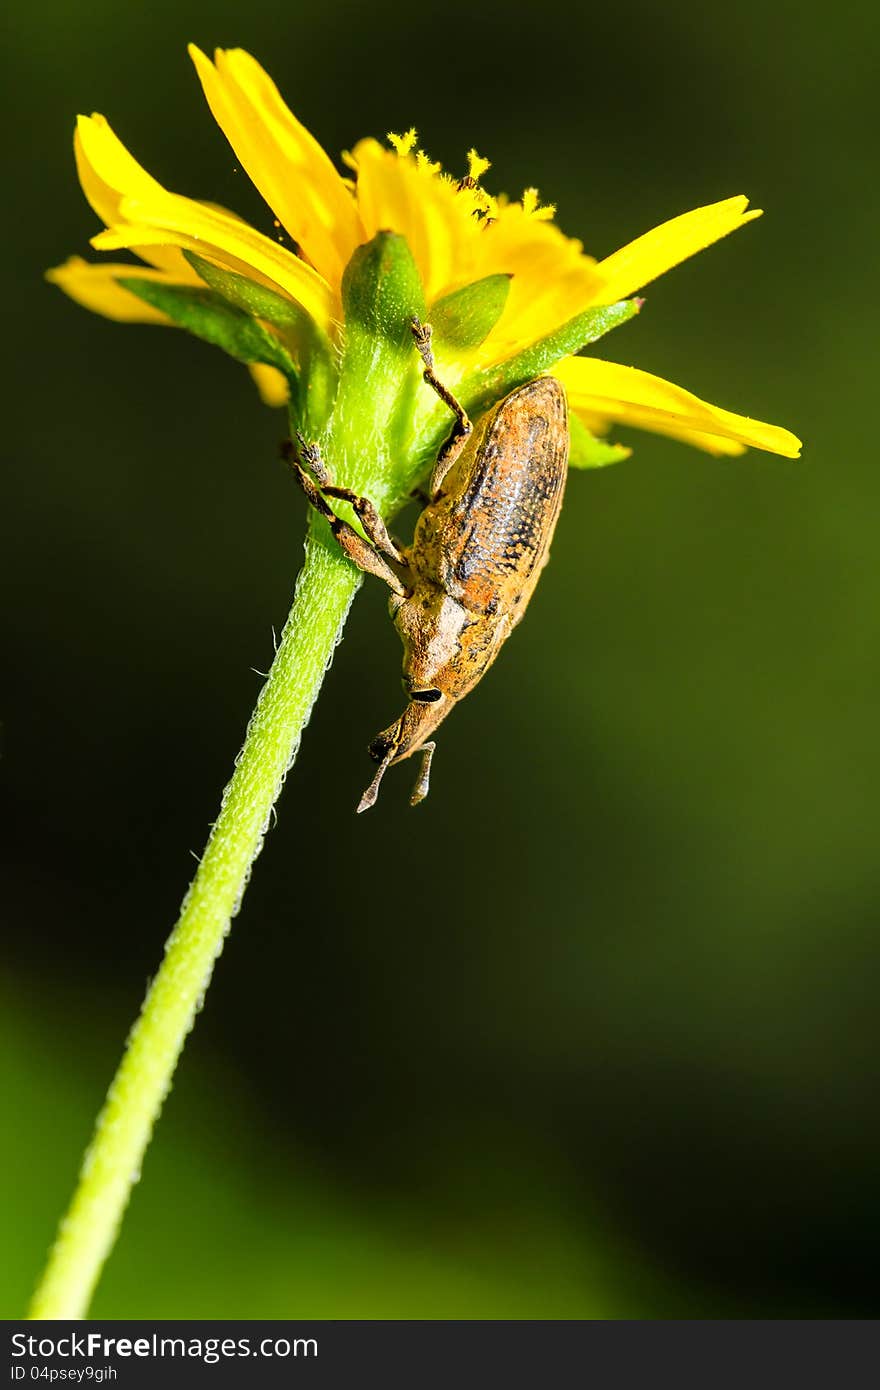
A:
[479, 546]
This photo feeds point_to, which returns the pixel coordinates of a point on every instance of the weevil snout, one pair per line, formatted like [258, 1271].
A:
[382, 750]
[407, 735]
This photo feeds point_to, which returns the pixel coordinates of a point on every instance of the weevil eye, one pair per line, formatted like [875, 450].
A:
[426, 697]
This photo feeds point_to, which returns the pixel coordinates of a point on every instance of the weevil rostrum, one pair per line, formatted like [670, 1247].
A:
[480, 544]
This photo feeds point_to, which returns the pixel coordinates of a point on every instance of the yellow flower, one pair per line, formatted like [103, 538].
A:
[457, 234]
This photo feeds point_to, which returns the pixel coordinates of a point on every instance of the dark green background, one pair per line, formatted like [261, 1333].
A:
[594, 1032]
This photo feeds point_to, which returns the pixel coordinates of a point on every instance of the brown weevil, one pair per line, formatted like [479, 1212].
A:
[480, 543]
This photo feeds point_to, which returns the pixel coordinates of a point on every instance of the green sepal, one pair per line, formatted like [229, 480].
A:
[308, 343]
[382, 291]
[586, 451]
[254, 299]
[482, 389]
[209, 316]
[465, 318]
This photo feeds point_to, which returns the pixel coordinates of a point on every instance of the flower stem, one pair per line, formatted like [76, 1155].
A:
[326, 587]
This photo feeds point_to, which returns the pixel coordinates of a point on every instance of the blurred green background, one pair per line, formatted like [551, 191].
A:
[594, 1032]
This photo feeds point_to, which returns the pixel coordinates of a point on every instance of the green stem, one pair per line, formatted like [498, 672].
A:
[112, 1164]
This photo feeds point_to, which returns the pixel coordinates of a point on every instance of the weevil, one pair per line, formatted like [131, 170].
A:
[479, 546]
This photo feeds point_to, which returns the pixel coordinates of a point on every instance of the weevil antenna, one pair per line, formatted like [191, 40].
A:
[421, 788]
[369, 797]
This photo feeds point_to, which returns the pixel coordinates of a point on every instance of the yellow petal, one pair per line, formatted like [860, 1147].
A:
[95, 144]
[271, 384]
[171, 220]
[668, 245]
[710, 443]
[714, 444]
[291, 170]
[552, 278]
[95, 288]
[629, 396]
[158, 224]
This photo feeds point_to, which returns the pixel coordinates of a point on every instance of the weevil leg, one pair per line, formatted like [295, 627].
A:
[422, 334]
[369, 518]
[359, 551]
[364, 509]
[423, 783]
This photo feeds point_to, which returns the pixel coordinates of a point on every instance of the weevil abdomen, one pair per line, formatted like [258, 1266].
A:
[500, 520]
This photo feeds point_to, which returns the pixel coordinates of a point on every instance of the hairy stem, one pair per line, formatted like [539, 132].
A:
[112, 1163]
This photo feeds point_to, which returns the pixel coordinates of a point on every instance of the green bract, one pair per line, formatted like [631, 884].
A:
[586, 451]
[465, 318]
[211, 318]
[482, 388]
[254, 298]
